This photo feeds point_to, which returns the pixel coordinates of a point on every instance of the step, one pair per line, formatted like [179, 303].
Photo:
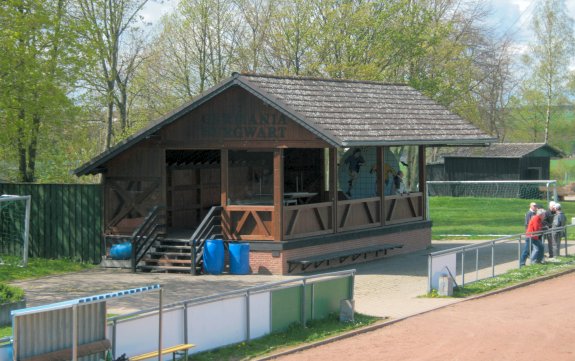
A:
[170, 254]
[167, 261]
[165, 246]
[175, 241]
[165, 268]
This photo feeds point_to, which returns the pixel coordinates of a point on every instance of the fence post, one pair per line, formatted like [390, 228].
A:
[114, 333]
[519, 251]
[493, 259]
[463, 268]
[476, 264]
[303, 302]
[186, 322]
[429, 275]
[566, 240]
[248, 315]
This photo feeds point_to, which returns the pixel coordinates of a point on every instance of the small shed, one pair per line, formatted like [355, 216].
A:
[304, 170]
[498, 161]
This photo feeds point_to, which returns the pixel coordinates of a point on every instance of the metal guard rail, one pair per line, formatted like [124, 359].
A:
[475, 247]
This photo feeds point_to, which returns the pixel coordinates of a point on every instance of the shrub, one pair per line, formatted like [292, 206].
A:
[10, 294]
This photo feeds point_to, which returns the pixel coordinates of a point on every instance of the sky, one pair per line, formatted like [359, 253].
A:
[508, 18]
[512, 17]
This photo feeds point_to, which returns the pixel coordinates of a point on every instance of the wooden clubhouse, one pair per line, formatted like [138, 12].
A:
[307, 171]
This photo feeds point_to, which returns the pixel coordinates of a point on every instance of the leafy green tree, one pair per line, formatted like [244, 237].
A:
[550, 55]
[37, 72]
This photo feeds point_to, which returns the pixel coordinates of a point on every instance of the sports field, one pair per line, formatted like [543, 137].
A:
[482, 218]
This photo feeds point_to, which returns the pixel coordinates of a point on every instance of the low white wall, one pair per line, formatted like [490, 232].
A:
[210, 325]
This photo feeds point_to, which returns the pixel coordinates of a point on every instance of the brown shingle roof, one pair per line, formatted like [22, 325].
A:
[361, 112]
[342, 112]
[504, 150]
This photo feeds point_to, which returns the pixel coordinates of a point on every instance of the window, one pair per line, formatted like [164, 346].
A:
[250, 177]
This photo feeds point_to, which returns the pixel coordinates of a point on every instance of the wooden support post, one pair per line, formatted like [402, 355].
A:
[224, 192]
[333, 186]
[380, 182]
[422, 180]
[277, 231]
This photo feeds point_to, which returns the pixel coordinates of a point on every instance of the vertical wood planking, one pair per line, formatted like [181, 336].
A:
[65, 219]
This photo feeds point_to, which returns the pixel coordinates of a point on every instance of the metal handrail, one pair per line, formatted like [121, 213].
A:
[475, 247]
[205, 229]
[145, 235]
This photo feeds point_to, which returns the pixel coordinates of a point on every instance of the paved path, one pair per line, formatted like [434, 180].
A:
[388, 287]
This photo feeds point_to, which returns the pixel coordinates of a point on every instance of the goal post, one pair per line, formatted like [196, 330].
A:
[15, 226]
[523, 189]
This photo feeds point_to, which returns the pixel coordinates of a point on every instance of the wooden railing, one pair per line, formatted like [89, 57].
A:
[152, 229]
[242, 222]
[308, 220]
[403, 208]
[248, 222]
[358, 213]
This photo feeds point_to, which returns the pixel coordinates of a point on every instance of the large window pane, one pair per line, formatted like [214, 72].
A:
[401, 167]
[251, 177]
[304, 180]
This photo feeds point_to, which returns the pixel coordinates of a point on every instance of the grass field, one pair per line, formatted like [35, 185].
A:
[563, 170]
[482, 218]
[37, 267]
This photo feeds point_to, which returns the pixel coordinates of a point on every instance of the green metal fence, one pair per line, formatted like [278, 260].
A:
[65, 219]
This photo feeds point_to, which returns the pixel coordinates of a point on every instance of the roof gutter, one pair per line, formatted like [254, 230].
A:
[449, 142]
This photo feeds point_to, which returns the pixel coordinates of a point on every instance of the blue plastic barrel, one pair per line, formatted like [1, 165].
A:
[239, 258]
[214, 256]
[121, 251]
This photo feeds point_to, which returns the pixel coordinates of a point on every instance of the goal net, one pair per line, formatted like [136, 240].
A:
[14, 227]
[536, 190]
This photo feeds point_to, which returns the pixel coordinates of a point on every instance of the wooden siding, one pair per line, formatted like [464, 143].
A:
[237, 120]
[542, 163]
[463, 169]
[65, 219]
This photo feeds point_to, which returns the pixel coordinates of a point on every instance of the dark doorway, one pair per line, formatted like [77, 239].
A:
[193, 186]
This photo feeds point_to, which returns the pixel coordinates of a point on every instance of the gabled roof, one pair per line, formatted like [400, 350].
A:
[370, 113]
[506, 150]
[343, 113]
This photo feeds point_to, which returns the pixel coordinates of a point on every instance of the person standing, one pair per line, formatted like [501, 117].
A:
[557, 225]
[530, 213]
[547, 223]
[533, 240]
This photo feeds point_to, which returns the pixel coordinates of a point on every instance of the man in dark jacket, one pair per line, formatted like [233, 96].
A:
[547, 223]
[557, 225]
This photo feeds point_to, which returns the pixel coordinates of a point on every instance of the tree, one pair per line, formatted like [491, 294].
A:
[106, 24]
[550, 55]
[37, 68]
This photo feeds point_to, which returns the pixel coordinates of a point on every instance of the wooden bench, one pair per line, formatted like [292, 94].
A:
[174, 350]
[354, 254]
[66, 354]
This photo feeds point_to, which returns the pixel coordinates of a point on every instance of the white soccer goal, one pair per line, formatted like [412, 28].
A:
[15, 226]
[544, 190]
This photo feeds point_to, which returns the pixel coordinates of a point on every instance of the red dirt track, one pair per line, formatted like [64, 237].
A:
[536, 322]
